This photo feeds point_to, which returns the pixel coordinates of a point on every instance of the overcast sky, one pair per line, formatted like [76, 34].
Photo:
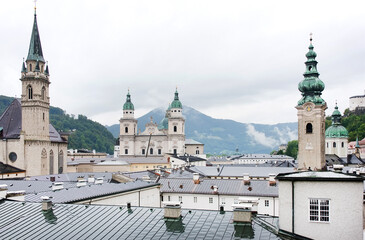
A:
[239, 60]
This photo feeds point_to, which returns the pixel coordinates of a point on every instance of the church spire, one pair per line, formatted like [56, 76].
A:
[128, 105]
[35, 48]
[311, 87]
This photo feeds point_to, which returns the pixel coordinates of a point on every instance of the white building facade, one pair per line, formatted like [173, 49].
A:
[156, 139]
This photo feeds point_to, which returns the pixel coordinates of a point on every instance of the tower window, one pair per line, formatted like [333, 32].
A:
[126, 129]
[327, 145]
[30, 67]
[309, 128]
[143, 151]
[43, 116]
[125, 151]
[334, 144]
[175, 151]
[30, 92]
[159, 151]
[175, 128]
[42, 68]
[43, 93]
[342, 144]
[310, 68]
[151, 151]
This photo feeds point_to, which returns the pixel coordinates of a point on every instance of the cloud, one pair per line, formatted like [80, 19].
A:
[260, 137]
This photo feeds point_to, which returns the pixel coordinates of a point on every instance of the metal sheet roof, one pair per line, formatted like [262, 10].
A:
[238, 171]
[69, 221]
[32, 186]
[75, 194]
[72, 177]
[225, 187]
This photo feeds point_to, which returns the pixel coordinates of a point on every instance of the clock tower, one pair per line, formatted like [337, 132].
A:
[311, 117]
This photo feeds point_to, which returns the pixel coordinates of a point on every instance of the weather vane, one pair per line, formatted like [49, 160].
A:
[35, 6]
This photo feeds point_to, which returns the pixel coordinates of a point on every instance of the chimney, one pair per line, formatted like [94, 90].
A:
[46, 203]
[57, 186]
[99, 180]
[215, 189]
[91, 178]
[272, 181]
[3, 190]
[52, 179]
[16, 195]
[246, 178]
[81, 182]
[158, 172]
[242, 211]
[196, 178]
[172, 209]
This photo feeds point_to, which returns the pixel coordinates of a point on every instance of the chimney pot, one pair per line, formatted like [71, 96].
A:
[196, 178]
[246, 178]
[272, 181]
[46, 203]
[172, 209]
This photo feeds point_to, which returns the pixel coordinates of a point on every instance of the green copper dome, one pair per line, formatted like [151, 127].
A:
[311, 87]
[128, 105]
[336, 130]
[164, 124]
[176, 103]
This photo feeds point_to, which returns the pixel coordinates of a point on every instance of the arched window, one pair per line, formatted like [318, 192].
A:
[309, 128]
[151, 151]
[125, 151]
[126, 129]
[197, 152]
[60, 162]
[175, 128]
[30, 67]
[143, 151]
[159, 151]
[342, 144]
[334, 144]
[51, 162]
[43, 93]
[30, 92]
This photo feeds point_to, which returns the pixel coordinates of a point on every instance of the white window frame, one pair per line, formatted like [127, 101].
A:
[195, 199]
[319, 215]
[210, 200]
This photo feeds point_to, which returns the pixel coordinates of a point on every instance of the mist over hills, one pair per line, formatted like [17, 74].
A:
[223, 135]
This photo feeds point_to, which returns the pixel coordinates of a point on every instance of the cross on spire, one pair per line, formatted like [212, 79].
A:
[311, 37]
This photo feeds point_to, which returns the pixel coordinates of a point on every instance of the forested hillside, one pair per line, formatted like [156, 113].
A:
[85, 133]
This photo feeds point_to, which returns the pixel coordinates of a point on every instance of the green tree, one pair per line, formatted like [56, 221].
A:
[292, 149]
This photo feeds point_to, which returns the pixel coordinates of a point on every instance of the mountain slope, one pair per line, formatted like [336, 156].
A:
[86, 133]
[224, 136]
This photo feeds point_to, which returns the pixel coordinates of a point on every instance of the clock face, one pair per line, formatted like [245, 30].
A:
[308, 108]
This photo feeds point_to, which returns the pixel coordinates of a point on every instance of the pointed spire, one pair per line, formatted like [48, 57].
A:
[35, 47]
[311, 87]
[47, 70]
[24, 69]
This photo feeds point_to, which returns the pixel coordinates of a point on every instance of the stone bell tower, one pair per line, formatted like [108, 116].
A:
[311, 117]
[176, 127]
[128, 128]
[35, 91]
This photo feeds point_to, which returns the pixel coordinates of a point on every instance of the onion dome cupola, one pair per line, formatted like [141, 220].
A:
[311, 87]
[128, 105]
[35, 48]
[336, 130]
[176, 103]
[164, 124]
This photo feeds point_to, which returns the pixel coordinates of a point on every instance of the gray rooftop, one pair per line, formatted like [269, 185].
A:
[319, 176]
[72, 177]
[75, 194]
[33, 186]
[238, 171]
[69, 221]
[192, 141]
[225, 187]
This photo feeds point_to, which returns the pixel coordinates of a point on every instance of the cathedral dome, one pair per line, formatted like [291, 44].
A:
[337, 131]
[163, 124]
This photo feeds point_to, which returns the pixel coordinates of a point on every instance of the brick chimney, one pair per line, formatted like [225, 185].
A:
[172, 209]
[196, 178]
[46, 203]
[246, 178]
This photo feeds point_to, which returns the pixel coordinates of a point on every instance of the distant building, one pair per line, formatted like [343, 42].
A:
[29, 141]
[357, 146]
[157, 139]
[194, 148]
[259, 158]
[357, 102]
[336, 136]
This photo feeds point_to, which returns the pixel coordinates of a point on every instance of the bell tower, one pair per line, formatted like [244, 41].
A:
[128, 128]
[35, 90]
[311, 117]
[176, 127]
